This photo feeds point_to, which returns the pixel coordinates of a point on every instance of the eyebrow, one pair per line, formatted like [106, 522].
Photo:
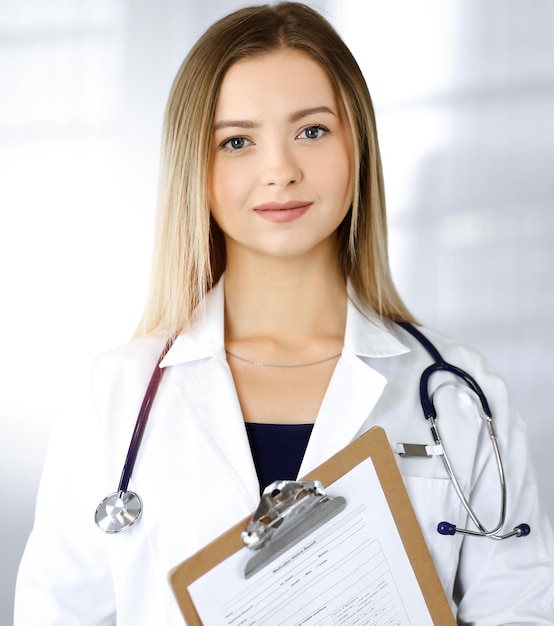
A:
[295, 117]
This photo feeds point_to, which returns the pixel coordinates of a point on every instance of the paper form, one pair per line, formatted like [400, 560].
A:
[351, 571]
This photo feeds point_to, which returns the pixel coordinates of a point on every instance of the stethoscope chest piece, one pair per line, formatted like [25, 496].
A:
[118, 511]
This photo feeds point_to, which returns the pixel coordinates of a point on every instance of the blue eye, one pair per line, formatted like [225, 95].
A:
[313, 132]
[235, 143]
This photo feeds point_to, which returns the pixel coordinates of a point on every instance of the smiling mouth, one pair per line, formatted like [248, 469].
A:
[284, 206]
[283, 212]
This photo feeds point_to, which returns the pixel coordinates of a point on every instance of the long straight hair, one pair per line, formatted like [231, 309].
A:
[189, 250]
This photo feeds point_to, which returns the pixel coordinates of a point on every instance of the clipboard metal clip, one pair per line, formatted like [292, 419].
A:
[288, 512]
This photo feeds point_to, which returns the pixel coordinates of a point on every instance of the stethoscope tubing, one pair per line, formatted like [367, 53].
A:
[426, 402]
[140, 425]
[459, 492]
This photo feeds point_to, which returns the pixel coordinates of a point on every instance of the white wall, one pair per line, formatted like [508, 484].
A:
[464, 93]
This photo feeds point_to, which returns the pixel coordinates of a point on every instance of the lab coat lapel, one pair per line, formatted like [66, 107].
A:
[354, 390]
[206, 390]
[208, 396]
[355, 386]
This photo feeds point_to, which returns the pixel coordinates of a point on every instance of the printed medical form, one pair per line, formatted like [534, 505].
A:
[352, 571]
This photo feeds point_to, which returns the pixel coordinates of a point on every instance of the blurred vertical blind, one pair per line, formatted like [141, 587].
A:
[62, 61]
[62, 92]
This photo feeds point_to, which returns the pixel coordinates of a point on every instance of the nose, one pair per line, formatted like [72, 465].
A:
[280, 167]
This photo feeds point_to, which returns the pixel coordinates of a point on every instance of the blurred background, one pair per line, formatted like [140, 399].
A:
[464, 95]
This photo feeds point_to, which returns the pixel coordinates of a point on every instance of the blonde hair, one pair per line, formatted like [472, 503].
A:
[189, 252]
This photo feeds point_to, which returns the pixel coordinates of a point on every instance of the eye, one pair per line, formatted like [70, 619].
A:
[235, 144]
[313, 132]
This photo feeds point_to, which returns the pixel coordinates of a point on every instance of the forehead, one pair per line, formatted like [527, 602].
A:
[284, 79]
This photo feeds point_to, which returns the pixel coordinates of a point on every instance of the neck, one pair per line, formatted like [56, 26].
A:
[284, 304]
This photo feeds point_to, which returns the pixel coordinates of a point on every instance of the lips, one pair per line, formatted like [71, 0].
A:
[282, 212]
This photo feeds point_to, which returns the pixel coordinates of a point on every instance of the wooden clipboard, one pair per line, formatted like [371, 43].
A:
[374, 444]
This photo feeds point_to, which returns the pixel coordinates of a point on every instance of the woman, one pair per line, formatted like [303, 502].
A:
[271, 272]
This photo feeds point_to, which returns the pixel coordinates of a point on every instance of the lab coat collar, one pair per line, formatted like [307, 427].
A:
[205, 337]
[366, 335]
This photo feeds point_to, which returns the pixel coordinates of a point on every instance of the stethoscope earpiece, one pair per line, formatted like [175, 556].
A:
[118, 511]
[446, 528]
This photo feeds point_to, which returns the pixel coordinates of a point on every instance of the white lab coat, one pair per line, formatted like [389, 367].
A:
[196, 477]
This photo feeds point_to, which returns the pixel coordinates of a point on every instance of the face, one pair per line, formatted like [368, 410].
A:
[281, 173]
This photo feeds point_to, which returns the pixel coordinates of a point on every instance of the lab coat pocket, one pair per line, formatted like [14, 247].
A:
[434, 500]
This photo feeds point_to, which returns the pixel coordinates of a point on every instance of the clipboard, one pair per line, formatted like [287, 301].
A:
[372, 444]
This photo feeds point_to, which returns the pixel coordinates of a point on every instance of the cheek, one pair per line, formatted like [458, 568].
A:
[216, 184]
[227, 196]
[227, 184]
[338, 177]
[220, 190]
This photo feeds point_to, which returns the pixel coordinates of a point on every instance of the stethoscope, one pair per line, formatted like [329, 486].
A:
[446, 528]
[121, 509]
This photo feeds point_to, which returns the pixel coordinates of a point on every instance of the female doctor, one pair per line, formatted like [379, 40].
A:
[271, 275]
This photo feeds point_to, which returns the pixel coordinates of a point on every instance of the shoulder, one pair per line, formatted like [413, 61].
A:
[137, 354]
[467, 359]
[127, 367]
[450, 349]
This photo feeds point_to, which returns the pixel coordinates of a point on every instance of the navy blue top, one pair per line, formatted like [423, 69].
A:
[277, 450]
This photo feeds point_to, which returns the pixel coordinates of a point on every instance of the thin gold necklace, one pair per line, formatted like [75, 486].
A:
[261, 364]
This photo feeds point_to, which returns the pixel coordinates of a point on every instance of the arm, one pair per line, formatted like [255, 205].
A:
[64, 576]
[509, 581]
